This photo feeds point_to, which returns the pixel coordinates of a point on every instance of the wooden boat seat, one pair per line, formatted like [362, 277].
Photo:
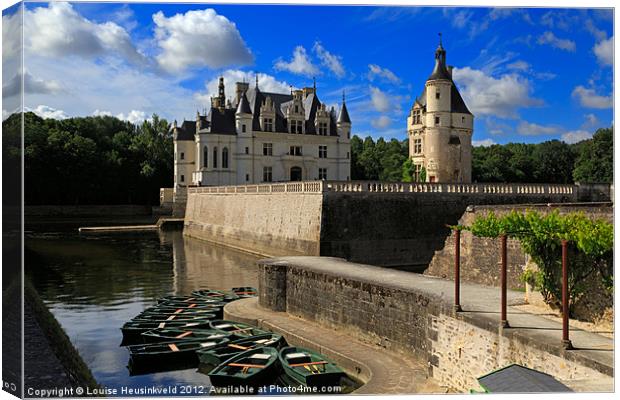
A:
[182, 335]
[173, 347]
[308, 363]
[236, 346]
[240, 365]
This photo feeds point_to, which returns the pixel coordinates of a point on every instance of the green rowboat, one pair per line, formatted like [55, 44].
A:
[238, 329]
[181, 354]
[173, 317]
[174, 334]
[245, 291]
[309, 368]
[132, 330]
[252, 368]
[219, 354]
[217, 295]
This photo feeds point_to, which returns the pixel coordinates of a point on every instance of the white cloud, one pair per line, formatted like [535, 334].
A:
[134, 116]
[588, 98]
[563, 44]
[380, 100]
[300, 64]
[499, 97]
[382, 122]
[5, 114]
[384, 73]
[99, 113]
[11, 35]
[331, 61]
[576, 136]
[266, 83]
[591, 121]
[461, 18]
[199, 38]
[532, 129]
[31, 85]
[59, 31]
[483, 143]
[604, 51]
[519, 65]
[48, 112]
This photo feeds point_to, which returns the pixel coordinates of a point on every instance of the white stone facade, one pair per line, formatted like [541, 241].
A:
[440, 128]
[262, 137]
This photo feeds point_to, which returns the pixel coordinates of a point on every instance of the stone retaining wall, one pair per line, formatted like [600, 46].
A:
[407, 313]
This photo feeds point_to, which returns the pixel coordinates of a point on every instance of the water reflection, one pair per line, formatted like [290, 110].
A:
[94, 284]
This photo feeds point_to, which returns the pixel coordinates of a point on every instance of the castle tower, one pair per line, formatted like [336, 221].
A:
[440, 128]
[344, 122]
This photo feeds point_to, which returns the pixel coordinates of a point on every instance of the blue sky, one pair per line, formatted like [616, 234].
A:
[528, 75]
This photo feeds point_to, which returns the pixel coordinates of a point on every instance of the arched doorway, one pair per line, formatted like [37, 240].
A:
[295, 173]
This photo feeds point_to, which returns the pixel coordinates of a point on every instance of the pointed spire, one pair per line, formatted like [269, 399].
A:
[256, 81]
[244, 105]
[440, 45]
[440, 71]
[314, 84]
[343, 117]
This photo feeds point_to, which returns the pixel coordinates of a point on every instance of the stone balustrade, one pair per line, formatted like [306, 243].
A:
[396, 187]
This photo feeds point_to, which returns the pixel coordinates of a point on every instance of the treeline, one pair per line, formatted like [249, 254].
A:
[91, 160]
[588, 161]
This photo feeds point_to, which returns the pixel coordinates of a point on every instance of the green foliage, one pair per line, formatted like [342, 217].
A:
[407, 170]
[422, 177]
[595, 162]
[92, 160]
[378, 160]
[590, 247]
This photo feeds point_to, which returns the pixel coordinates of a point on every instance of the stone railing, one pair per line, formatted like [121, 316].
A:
[397, 187]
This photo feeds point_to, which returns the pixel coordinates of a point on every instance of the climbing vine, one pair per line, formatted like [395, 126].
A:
[590, 248]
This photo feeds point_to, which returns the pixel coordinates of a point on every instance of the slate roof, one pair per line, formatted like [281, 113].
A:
[457, 104]
[518, 379]
[344, 114]
[244, 105]
[186, 131]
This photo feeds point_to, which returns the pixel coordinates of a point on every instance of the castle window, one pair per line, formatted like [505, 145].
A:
[247, 150]
[182, 156]
[322, 173]
[417, 169]
[267, 174]
[182, 178]
[267, 149]
[436, 120]
[247, 177]
[322, 151]
[225, 157]
[417, 146]
[215, 157]
[323, 128]
[243, 128]
[463, 119]
[268, 124]
[205, 154]
[437, 94]
[296, 126]
[295, 151]
[296, 108]
[347, 155]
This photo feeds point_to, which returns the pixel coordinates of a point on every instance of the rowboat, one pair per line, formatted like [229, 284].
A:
[183, 303]
[180, 312]
[174, 334]
[219, 354]
[306, 367]
[236, 328]
[245, 291]
[132, 330]
[173, 317]
[217, 295]
[172, 355]
[252, 368]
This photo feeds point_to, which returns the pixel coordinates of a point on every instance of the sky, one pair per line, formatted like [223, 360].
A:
[527, 74]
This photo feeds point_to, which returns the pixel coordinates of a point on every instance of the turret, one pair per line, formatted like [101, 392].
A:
[243, 116]
[219, 102]
[344, 121]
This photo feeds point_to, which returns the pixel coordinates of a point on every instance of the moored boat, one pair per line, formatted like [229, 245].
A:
[236, 328]
[217, 295]
[219, 354]
[132, 330]
[245, 291]
[173, 317]
[306, 367]
[252, 368]
[166, 356]
[174, 334]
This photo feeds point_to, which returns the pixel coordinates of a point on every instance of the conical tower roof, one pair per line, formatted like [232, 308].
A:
[244, 105]
[343, 117]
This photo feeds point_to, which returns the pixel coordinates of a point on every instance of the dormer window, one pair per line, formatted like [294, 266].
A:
[268, 124]
[322, 128]
[296, 126]
[296, 109]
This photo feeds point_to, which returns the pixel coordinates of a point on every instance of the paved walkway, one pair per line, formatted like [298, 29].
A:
[381, 371]
[481, 307]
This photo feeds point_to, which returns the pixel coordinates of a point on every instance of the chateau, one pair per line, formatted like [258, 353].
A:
[262, 137]
[440, 128]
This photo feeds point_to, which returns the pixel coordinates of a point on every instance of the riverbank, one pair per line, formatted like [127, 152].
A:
[50, 359]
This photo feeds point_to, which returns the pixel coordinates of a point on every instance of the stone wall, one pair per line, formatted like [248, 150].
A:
[274, 224]
[391, 225]
[408, 313]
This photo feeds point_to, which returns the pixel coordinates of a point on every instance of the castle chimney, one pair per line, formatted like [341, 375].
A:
[241, 87]
[450, 68]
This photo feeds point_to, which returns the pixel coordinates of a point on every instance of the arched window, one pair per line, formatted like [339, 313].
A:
[215, 157]
[225, 157]
[205, 157]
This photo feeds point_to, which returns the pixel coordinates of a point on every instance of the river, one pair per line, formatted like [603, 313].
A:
[93, 284]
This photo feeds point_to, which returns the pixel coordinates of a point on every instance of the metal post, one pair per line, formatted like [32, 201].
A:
[504, 255]
[566, 343]
[457, 270]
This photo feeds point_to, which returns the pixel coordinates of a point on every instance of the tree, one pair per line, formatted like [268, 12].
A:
[595, 160]
[553, 162]
[408, 170]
